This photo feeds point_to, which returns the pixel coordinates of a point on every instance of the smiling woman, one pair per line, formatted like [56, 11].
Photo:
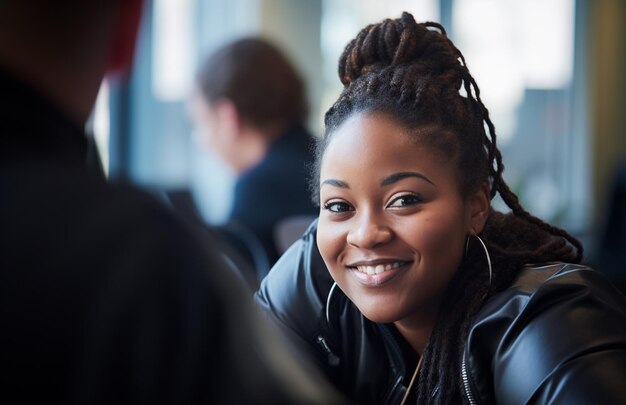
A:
[410, 287]
[367, 227]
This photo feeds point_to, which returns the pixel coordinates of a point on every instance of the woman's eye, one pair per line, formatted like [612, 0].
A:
[405, 201]
[338, 206]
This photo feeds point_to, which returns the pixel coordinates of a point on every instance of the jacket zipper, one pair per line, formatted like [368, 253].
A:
[333, 359]
[466, 384]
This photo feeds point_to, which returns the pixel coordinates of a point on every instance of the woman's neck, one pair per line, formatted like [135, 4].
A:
[416, 329]
[417, 337]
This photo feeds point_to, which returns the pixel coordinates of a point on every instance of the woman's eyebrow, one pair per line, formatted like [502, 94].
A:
[336, 183]
[393, 178]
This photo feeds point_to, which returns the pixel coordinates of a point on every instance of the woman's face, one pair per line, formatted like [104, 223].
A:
[393, 223]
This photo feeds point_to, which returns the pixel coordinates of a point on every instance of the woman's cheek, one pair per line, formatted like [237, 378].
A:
[439, 240]
[328, 242]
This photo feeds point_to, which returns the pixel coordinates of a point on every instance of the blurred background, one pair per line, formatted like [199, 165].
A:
[550, 72]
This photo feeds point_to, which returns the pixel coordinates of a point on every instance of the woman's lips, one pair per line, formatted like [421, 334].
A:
[375, 275]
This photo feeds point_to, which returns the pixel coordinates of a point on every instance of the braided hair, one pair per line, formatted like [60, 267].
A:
[414, 74]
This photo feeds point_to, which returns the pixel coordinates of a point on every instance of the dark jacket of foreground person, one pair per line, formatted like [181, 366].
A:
[105, 298]
[556, 335]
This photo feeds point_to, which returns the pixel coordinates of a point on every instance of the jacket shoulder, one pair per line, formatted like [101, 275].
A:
[294, 292]
[548, 336]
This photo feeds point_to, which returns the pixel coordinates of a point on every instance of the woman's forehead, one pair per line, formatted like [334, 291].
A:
[379, 136]
[367, 142]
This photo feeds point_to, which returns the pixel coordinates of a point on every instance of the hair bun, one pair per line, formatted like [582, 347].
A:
[389, 43]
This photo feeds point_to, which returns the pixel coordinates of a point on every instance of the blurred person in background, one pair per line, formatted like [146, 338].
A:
[104, 296]
[250, 110]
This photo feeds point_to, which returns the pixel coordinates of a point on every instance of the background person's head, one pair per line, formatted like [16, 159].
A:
[64, 48]
[248, 94]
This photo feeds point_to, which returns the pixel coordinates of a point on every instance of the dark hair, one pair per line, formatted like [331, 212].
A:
[414, 74]
[257, 77]
[67, 28]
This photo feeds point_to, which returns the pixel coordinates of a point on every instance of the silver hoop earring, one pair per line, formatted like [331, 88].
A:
[330, 294]
[486, 255]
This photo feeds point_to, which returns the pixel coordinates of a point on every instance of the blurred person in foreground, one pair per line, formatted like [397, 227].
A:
[250, 109]
[104, 297]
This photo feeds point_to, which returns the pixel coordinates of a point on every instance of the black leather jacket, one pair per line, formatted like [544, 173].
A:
[557, 335]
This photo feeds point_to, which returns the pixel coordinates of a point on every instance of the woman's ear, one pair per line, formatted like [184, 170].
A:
[479, 203]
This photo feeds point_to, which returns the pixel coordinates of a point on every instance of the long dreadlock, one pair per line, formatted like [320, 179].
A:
[414, 73]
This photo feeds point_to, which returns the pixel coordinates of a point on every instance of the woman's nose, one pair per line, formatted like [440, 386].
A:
[368, 233]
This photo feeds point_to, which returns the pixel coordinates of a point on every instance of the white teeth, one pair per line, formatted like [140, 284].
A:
[378, 269]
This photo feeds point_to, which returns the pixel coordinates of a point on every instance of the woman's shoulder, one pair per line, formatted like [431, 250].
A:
[549, 289]
[547, 286]
[553, 321]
